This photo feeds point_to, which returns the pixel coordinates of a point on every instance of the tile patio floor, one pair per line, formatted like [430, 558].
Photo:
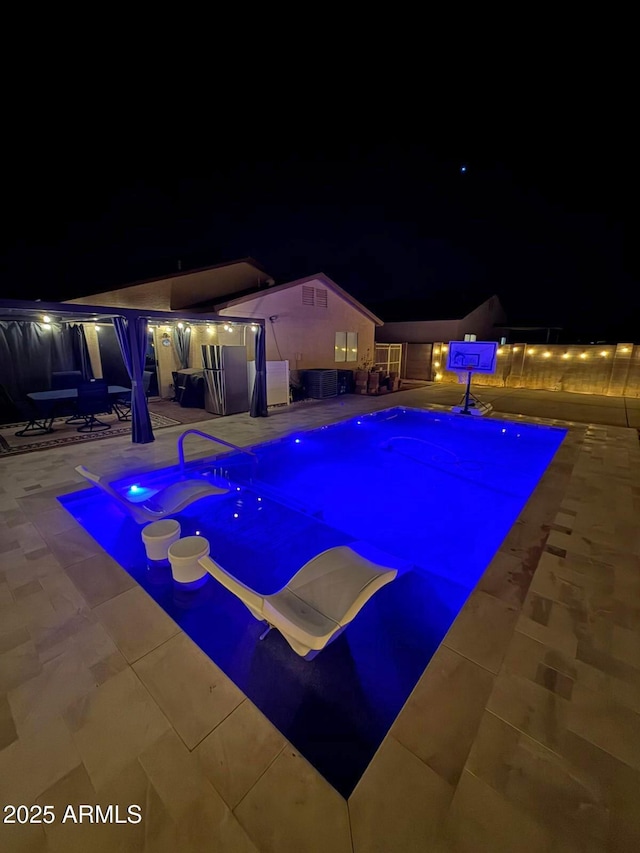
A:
[523, 734]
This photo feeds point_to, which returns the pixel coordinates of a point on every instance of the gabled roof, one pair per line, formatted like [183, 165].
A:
[189, 287]
[237, 299]
[446, 305]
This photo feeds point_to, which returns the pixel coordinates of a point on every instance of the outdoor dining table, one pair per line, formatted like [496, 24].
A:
[48, 401]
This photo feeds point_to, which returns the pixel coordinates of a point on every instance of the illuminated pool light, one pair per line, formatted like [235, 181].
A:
[297, 441]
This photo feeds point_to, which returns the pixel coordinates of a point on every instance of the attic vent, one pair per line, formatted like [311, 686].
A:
[316, 296]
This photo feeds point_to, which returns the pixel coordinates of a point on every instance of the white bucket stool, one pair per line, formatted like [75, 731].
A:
[158, 537]
[184, 555]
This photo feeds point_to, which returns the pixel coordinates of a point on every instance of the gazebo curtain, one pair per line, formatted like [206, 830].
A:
[132, 337]
[30, 352]
[181, 341]
[258, 407]
[81, 351]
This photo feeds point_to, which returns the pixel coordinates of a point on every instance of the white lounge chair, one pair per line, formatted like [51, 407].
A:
[167, 501]
[318, 602]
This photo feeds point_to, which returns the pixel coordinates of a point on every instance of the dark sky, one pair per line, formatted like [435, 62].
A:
[545, 219]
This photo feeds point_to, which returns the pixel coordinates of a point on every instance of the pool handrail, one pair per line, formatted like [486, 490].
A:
[211, 438]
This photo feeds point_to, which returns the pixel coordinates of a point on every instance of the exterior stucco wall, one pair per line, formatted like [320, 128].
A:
[479, 322]
[418, 331]
[482, 320]
[303, 334]
[91, 336]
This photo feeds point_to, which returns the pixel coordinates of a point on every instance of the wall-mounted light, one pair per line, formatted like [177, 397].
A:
[500, 350]
[583, 355]
[516, 349]
[226, 327]
[436, 364]
[531, 352]
[565, 355]
[180, 325]
[546, 354]
[254, 328]
[96, 327]
[604, 353]
[438, 376]
[46, 319]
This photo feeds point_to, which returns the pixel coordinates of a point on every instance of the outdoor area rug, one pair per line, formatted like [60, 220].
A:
[64, 433]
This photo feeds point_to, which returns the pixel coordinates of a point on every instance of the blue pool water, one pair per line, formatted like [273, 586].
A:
[433, 494]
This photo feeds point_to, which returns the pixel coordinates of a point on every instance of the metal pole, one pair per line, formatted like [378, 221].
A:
[467, 394]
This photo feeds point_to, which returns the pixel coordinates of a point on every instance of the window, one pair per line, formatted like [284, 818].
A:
[346, 346]
[314, 296]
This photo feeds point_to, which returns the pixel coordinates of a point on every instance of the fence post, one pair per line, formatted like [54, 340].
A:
[620, 370]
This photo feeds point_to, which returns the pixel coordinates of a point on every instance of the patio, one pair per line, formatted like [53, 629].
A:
[522, 734]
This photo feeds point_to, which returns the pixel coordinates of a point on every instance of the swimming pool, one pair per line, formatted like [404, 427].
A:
[434, 494]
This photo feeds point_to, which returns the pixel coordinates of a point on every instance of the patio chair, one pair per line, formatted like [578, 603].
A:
[93, 399]
[61, 379]
[168, 501]
[122, 403]
[319, 601]
[38, 422]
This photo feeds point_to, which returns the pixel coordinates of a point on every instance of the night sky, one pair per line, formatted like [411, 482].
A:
[544, 220]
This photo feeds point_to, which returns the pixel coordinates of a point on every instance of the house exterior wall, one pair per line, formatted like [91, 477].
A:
[418, 331]
[479, 322]
[482, 321]
[93, 347]
[304, 335]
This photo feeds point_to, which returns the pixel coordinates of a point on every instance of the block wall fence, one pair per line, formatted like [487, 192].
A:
[609, 369]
